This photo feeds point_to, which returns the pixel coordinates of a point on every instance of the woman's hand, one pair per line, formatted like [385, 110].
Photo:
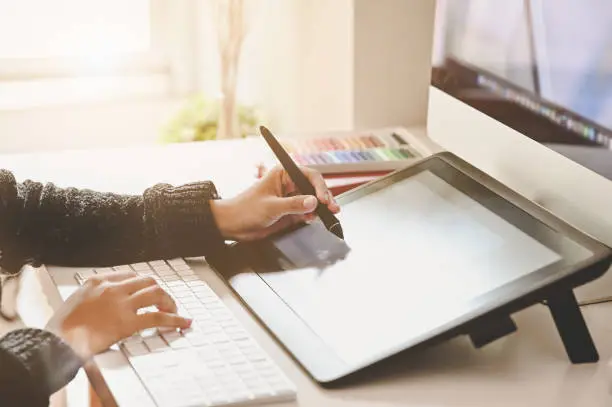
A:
[270, 205]
[104, 311]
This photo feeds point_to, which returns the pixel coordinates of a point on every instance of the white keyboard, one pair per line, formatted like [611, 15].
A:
[214, 363]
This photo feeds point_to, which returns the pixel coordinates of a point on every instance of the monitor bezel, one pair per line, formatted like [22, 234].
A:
[461, 75]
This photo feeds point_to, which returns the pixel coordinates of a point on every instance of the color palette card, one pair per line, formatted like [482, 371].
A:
[357, 153]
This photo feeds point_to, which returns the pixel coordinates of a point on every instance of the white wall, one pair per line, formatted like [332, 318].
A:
[331, 64]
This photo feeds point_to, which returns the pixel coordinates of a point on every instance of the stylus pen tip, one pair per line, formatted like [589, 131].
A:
[336, 229]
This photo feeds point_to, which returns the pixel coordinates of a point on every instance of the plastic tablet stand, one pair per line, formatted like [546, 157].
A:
[569, 321]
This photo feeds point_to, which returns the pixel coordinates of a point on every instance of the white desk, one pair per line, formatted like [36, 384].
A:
[528, 368]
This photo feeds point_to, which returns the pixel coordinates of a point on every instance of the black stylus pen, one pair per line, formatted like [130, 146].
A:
[301, 182]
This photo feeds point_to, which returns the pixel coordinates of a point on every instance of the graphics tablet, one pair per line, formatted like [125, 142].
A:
[429, 249]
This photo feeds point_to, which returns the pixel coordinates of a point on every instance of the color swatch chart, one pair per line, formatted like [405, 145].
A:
[329, 152]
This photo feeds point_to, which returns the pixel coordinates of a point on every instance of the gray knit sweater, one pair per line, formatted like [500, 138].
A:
[46, 224]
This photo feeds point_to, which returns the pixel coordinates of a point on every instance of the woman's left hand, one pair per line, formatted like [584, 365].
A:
[270, 205]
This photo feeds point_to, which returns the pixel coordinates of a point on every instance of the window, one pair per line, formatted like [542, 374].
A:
[68, 51]
[62, 28]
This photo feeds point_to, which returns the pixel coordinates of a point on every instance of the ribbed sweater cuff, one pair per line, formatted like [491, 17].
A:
[51, 363]
[181, 219]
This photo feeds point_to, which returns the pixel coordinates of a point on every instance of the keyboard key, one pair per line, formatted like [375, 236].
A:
[177, 262]
[196, 283]
[181, 267]
[203, 289]
[196, 336]
[246, 345]
[208, 354]
[185, 272]
[179, 343]
[155, 344]
[178, 285]
[189, 298]
[170, 278]
[198, 341]
[203, 312]
[157, 263]
[191, 303]
[228, 324]
[204, 296]
[104, 270]
[218, 309]
[122, 268]
[165, 272]
[140, 266]
[219, 338]
[136, 349]
[237, 360]
[237, 334]
[136, 338]
[171, 336]
[180, 293]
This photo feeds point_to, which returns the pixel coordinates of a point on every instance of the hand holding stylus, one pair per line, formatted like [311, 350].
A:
[271, 204]
[302, 183]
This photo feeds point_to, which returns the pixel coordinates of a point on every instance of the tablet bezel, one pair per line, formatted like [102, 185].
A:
[323, 365]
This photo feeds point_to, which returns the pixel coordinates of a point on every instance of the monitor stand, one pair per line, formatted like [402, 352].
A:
[569, 321]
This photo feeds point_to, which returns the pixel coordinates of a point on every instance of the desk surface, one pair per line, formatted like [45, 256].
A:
[528, 368]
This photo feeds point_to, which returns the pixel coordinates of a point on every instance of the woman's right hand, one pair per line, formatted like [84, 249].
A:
[105, 310]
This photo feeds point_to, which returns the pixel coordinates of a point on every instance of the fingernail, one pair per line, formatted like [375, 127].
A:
[188, 322]
[310, 202]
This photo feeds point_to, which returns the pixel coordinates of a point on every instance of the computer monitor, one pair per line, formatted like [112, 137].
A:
[542, 67]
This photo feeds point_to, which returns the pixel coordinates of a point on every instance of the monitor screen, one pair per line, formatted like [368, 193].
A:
[550, 61]
[574, 56]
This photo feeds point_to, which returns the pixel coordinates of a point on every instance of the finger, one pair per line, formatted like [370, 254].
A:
[306, 218]
[309, 217]
[294, 205]
[317, 181]
[333, 206]
[137, 283]
[161, 320]
[288, 186]
[261, 170]
[153, 295]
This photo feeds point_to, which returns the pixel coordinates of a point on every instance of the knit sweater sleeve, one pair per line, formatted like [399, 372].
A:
[41, 223]
[34, 364]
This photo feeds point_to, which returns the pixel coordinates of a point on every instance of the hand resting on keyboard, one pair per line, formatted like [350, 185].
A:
[215, 362]
[106, 309]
